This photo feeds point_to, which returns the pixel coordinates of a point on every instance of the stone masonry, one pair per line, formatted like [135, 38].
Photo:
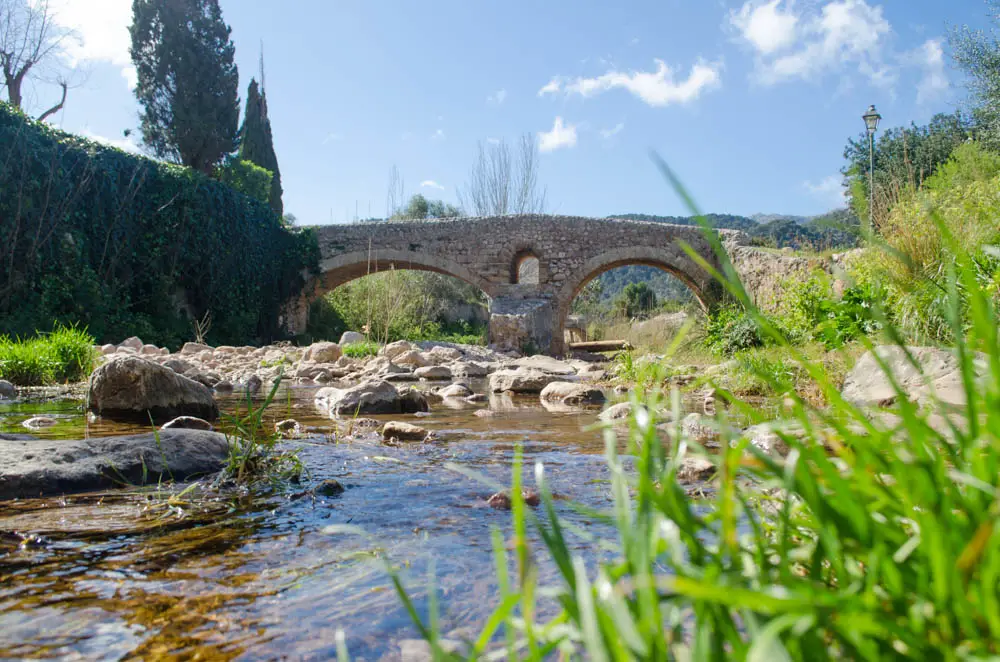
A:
[488, 253]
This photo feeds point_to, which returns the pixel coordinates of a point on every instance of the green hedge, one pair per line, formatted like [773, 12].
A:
[126, 245]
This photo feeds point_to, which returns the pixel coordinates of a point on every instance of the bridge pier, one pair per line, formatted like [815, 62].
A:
[525, 325]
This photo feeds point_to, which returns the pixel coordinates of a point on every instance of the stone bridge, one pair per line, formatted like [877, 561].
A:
[531, 267]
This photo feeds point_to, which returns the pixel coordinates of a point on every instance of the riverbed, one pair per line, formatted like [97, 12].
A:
[234, 575]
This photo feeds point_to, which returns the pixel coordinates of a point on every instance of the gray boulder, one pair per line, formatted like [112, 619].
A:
[545, 364]
[32, 468]
[132, 388]
[403, 431]
[572, 394]
[7, 390]
[867, 385]
[433, 372]
[323, 352]
[521, 380]
[372, 397]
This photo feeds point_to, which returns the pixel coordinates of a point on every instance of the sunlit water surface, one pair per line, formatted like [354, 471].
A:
[124, 575]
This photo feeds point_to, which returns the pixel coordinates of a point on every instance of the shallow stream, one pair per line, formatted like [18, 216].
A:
[124, 574]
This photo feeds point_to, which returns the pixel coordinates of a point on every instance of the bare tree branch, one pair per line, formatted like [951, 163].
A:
[31, 42]
[56, 108]
[502, 182]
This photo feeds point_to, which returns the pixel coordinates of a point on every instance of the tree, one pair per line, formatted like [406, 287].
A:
[257, 143]
[502, 182]
[187, 80]
[636, 300]
[31, 44]
[904, 158]
[419, 208]
[978, 54]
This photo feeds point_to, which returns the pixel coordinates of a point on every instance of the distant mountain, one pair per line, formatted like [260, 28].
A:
[721, 221]
[769, 218]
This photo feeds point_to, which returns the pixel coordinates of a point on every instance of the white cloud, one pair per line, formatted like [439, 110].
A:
[552, 87]
[438, 135]
[497, 97]
[842, 34]
[830, 189]
[127, 144]
[561, 135]
[493, 141]
[765, 26]
[430, 183]
[934, 84]
[102, 30]
[656, 88]
[613, 131]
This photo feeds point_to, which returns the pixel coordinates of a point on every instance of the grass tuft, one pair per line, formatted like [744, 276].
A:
[65, 355]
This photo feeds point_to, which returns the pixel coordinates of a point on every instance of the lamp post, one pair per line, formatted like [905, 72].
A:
[871, 119]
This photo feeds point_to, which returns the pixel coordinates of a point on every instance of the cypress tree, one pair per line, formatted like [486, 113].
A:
[188, 84]
[257, 143]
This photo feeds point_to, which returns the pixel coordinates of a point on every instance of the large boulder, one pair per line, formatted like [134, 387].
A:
[572, 394]
[392, 350]
[433, 372]
[133, 388]
[323, 352]
[32, 468]
[372, 397]
[195, 348]
[521, 380]
[7, 390]
[867, 385]
[401, 431]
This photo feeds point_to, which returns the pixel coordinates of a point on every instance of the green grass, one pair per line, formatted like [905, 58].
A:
[256, 455]
[360, 350]
[66, 354]
[885, 546]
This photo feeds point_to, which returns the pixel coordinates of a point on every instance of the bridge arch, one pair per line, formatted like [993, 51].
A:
[679, 266]
[346, 267]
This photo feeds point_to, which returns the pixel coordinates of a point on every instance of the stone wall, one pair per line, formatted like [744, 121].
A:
[765, 273]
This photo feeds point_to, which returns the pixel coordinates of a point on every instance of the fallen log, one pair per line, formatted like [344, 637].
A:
[601, 345]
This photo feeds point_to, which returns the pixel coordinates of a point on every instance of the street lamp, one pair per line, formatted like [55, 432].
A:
[871, 119]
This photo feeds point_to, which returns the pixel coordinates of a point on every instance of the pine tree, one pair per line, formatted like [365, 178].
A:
[188, 84]
[257, 143]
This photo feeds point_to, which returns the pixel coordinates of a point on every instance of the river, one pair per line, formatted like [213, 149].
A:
[127, 574]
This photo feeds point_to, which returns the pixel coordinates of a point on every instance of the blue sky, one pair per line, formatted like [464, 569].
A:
[750, 102]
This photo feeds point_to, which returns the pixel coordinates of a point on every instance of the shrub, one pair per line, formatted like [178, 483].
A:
[810, 310]
[730, 330]
[126, 245]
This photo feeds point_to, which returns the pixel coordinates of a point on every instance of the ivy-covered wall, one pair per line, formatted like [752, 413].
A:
[126, 245]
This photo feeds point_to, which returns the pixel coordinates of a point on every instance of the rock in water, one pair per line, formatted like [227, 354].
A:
[521, 380]
[7, 390]
[132, 388]
[31, 468]
[403, 431]
[372, 397]
[572, 393]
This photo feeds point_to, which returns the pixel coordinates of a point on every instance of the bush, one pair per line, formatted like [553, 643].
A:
[65, 355]
[130, 246]
[810, 311]
[730, 330]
